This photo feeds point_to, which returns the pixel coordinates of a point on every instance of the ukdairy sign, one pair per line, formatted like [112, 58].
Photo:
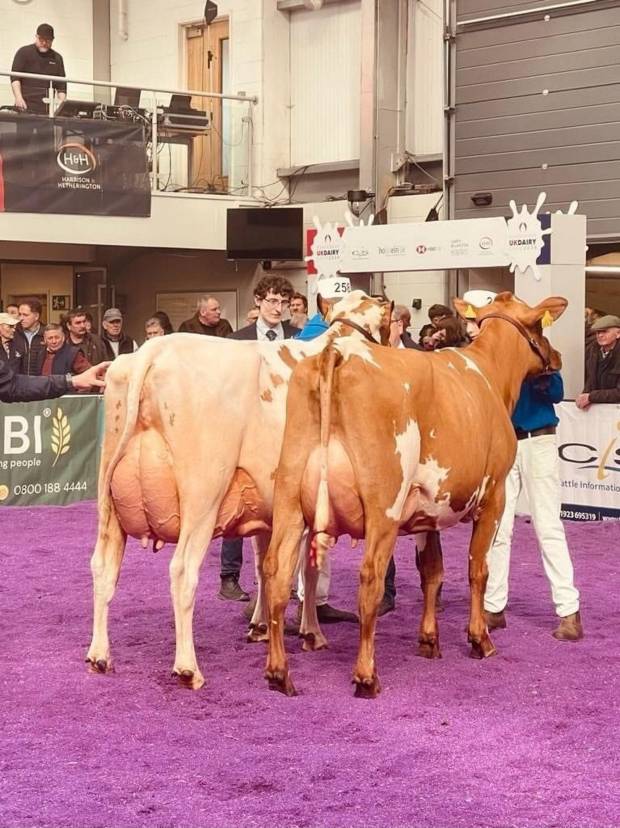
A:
[435, 245]
[445, 245]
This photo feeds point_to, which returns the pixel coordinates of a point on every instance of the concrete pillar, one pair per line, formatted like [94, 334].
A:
[101, 49]
[564, 276]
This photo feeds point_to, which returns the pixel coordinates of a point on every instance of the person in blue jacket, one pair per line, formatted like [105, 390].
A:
[536, 469]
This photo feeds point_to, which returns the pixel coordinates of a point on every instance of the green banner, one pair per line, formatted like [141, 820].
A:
[50, 451]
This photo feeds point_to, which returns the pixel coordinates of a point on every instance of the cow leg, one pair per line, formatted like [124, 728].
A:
[105, 566]
[278, 570]
[309, 629]
[481, 541]
[418, 563]
[258, 630]
[379, 547]
[184, 570]
[430, 564]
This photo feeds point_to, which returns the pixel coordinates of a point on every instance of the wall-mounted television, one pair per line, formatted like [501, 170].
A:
[265, 233]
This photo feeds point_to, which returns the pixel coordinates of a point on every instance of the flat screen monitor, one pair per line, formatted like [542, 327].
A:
[127, 97]
[265, 233]
[76, 109]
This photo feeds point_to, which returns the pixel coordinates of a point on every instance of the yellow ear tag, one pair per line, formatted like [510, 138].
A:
[470, 313]
[547, 320]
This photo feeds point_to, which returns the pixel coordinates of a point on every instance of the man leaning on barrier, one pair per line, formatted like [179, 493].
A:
[22, 388]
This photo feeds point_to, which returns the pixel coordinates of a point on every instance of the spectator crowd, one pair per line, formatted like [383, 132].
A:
[72, 346]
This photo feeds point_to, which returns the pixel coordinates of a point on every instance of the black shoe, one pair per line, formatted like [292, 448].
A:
[331, 615]
[388, 604]
[231, 591]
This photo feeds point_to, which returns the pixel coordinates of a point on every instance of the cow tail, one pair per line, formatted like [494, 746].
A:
[135, 383]
[329, 359]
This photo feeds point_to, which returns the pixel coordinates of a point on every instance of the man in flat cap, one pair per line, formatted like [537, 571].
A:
[38, 58]
[602, 364]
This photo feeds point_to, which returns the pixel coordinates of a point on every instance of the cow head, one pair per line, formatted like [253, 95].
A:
[371, 313]
[529, 321]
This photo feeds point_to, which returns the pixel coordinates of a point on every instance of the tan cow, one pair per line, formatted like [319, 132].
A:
[381, 442]
[193, 430]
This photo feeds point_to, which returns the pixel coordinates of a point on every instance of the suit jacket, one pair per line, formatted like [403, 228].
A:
[249, 332]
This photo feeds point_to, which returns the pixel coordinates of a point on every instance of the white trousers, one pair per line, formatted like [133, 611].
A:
[536, 469]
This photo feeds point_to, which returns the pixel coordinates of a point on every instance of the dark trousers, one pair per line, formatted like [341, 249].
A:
[390, 580]
[231, 558]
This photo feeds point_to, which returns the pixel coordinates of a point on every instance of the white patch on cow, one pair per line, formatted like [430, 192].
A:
[349, 308]
[351, 346]
[452, 365]
[406, 386]
[408, 449]
[470, 365]
[432, 434]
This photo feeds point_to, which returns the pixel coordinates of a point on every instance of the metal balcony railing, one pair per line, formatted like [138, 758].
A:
[197, 142]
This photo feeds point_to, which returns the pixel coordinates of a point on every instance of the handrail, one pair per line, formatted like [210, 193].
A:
[113, 85]
[51, 80]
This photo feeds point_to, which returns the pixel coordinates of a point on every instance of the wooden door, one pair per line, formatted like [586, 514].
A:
[207, 57]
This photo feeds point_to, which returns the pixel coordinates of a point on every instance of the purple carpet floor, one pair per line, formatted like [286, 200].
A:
[526, 738]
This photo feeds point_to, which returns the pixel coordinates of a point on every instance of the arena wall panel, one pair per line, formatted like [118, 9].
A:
[538, 108]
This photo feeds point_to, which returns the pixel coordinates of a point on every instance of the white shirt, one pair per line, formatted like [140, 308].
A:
[262, 328]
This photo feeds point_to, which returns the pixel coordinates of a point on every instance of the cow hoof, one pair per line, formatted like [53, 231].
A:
[257, 633]
[313, 641]
[191, 679]
[482, 649]
[367, 688]
[281, 682]
[429, 648]
[99, 665]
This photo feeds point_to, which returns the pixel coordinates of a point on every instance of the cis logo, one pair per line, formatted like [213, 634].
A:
[587, 457]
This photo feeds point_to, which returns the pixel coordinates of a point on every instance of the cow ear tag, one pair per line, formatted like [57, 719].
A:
[547, 320]
[470, 313]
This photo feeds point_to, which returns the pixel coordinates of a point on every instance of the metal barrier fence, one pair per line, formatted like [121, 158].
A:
[50, 455]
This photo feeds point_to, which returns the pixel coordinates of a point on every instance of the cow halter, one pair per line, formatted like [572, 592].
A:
[356, 327]
[524, 333]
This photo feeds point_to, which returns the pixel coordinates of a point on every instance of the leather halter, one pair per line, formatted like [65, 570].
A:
[355, 327]
[524, 333]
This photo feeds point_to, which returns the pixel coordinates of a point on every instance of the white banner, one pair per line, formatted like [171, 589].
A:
[589, 449]
[432, 245]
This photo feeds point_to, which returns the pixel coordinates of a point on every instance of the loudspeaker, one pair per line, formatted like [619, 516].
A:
[210, 11]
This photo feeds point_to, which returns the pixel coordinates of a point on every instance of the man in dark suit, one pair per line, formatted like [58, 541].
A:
[272, 296]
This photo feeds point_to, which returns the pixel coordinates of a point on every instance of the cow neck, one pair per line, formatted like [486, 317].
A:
[350, 324]
[500, 349]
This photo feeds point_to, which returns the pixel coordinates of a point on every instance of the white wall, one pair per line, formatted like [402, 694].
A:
[73, 24]
[153, 54]
[325, 84]
[424, 129]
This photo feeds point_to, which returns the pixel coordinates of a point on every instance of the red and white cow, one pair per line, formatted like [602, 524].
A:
[381, 442]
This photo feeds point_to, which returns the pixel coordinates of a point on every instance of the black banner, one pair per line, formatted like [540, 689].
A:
[73, 165]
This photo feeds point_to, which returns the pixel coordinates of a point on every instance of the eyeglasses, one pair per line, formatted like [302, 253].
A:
[277, 303]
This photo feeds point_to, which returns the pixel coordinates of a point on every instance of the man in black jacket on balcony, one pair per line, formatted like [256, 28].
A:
[38, 58]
